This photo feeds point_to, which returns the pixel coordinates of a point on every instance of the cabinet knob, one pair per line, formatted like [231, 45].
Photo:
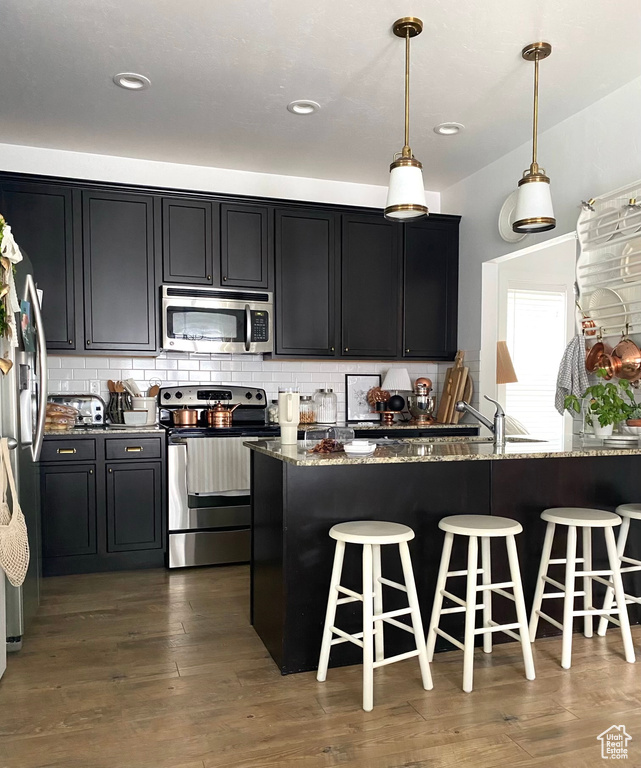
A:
[224, 278]
[331, 349]
[88, 342]
[346, 349]
[407, 350]
[209, 277]
[91, 471]
[111, 470]
[71, 341]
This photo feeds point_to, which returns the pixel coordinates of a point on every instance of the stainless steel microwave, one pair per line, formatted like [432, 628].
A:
[198, 319]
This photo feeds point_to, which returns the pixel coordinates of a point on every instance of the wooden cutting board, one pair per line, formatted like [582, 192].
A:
[468, 391]
[459, 378]
[446, 404]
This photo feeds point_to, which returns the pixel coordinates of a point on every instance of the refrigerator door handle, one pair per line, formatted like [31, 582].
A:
[41, 349]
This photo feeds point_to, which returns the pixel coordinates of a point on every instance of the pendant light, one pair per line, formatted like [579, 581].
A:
[534, 212]
[406, 193]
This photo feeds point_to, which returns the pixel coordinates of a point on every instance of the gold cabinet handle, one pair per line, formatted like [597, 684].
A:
[66, 450]
[133, 448]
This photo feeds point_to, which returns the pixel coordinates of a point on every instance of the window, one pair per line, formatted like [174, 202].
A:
[536, 337]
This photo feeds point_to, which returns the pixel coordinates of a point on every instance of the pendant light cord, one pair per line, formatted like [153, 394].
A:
[535, 121]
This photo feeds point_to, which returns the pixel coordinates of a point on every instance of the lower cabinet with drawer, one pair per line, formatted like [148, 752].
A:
[102, 503]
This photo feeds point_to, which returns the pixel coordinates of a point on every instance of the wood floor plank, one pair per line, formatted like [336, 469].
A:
[160, 669]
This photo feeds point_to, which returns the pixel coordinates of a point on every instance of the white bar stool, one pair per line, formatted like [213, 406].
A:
[371, 535]
[483, 527]
[627, 513]
[586, 519]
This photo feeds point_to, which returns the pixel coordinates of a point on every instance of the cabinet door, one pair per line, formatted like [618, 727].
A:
[68, 499]
[244, 246]
[187, 241]
[119, 282]
[430, 289]
[134, 506]
[305, 274]
[40, 217]
[370, 300]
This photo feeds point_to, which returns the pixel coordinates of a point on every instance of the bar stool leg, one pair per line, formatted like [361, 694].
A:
[568, 600]
[619, 595]
[486, 562]
[470, 614]
[379, 642]
[519, 601]
[368, 630]
[330, 615]
[587, 581]
[609, 593]
[540, 584]
[438, 597]
[417, 624]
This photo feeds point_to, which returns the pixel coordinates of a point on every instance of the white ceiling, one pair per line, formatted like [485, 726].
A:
[223, 72]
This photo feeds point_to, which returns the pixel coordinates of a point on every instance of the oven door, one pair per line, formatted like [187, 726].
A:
[216, 326]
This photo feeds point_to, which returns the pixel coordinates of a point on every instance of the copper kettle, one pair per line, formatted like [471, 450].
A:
[219, 415]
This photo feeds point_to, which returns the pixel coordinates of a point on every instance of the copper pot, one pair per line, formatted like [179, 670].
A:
[626, 357]
[185, 417]
[220, 416]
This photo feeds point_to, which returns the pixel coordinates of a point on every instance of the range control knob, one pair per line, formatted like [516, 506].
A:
[178, 395]
[259, 395]
[167, 395]
[248, 395]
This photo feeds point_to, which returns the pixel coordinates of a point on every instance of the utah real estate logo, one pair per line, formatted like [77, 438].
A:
[614, 743]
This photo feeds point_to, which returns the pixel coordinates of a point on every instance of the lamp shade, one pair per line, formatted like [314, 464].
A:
[505, 373]
[397, 380]
[533, 211]
[406, 194]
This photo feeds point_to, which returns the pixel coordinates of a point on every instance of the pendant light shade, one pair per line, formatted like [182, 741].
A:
[534, 211]
[406, 193]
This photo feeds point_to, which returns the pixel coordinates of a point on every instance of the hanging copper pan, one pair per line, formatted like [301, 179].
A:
[626, 357]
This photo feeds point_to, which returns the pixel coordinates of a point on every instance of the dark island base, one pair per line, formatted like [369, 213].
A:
[294, 508]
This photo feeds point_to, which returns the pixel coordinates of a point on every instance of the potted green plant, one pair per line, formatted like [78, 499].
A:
[634, 417]
[608, 404]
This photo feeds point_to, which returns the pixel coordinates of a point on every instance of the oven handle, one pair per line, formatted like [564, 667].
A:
[248, 327]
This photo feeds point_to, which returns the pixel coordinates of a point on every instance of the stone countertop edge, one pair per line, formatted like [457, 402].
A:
[111, 431]
[342, 459]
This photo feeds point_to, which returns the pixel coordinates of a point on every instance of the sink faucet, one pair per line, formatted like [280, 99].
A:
[497, 427]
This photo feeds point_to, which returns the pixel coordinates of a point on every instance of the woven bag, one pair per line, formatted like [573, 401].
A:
[14, 543]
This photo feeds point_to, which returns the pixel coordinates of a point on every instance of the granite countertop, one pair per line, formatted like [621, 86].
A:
[412, 450]
[109, 430]
[401, 425]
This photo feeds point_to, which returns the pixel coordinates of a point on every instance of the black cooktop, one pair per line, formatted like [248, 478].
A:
[245, 430]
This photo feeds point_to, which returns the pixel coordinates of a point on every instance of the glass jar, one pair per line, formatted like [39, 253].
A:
[272, 412]
[326, 405]
[307, 411]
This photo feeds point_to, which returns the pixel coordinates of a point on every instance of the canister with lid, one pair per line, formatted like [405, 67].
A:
[326, 405]
[307, 410]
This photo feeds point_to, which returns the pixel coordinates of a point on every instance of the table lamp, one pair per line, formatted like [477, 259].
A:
[397, 379]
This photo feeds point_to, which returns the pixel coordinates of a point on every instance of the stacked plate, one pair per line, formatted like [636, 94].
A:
[360, 448]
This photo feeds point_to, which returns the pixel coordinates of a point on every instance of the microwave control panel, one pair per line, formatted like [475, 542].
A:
[260, 326]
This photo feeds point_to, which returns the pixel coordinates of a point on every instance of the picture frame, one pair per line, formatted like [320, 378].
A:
[357, 385]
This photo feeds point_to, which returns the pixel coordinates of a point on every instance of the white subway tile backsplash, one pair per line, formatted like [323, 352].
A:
[54, 362]
[85, 373]
[75, 362]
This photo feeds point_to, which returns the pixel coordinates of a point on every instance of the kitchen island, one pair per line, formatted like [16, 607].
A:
[297, 497]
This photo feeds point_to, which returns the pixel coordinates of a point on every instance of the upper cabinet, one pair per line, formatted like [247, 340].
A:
[305, 295]
[370, 280]
[40, 216]
[245, 246]
[187, 240]
[430, 289]
[119, 276]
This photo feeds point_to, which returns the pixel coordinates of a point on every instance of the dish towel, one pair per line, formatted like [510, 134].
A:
[572, 378]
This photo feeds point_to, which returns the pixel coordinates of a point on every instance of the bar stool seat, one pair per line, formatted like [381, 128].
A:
[629, 510]
[580, 516]
[480, 525]
[484, 527]
[585, 519]
[371, 535]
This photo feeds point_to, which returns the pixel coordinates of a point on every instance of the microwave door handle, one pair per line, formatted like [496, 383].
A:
[248, 327]
[41, 351]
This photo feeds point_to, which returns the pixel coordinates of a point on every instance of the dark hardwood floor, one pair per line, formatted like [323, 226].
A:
[152, 669]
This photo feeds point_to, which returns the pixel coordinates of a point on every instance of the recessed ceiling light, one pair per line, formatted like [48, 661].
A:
[303, 107]
[448, 129]
[132, 81]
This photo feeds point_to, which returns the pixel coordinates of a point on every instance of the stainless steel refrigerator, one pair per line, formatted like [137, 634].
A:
[23, 401]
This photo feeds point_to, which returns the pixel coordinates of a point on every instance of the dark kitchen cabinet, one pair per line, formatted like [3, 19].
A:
[430, 289]
[245, 246]
[40, 216]
[188, 228]
[370, 279]
[103, 502]
[119, 275]
[68, 496]
[305, 292]
[134, 506]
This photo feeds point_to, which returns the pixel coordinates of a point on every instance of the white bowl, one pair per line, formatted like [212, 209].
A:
[135, 418]
[360, 448]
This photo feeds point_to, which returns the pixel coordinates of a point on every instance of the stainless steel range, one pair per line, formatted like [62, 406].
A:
[208, 472]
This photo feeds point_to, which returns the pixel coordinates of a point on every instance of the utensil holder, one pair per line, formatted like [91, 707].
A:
[118, 402]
